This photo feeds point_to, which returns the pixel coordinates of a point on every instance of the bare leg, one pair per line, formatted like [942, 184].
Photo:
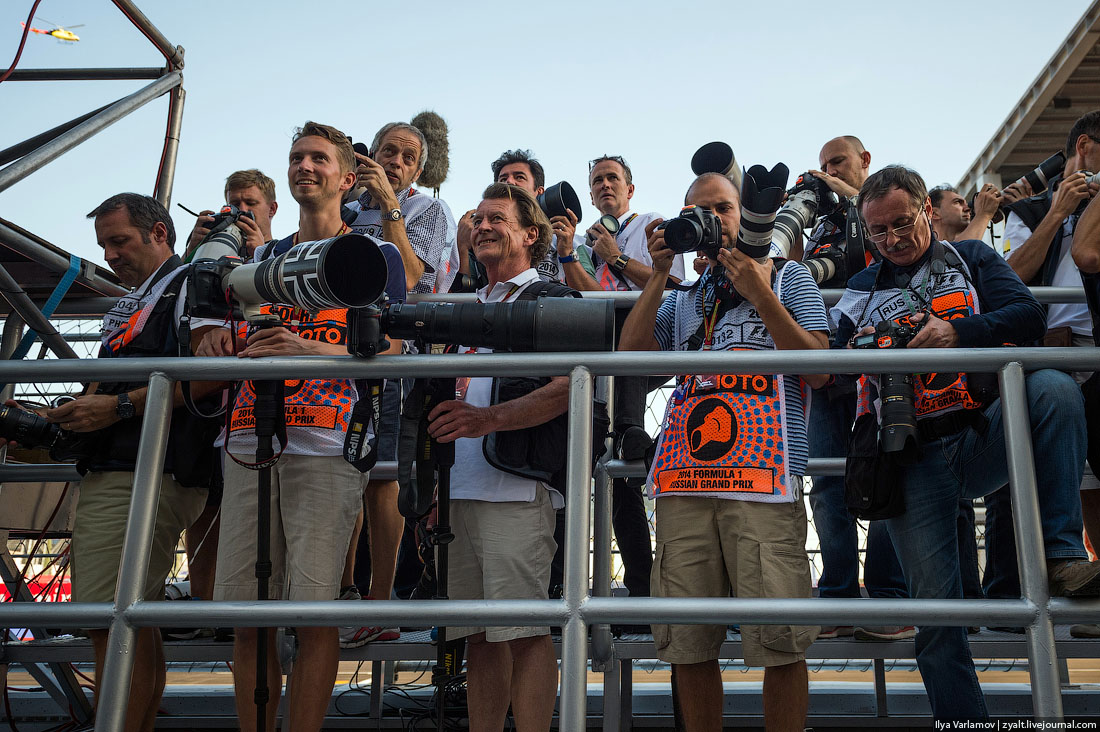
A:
[488, 682]
[786, 697]
[386, 525]
[244, 677]
[314, 676]
[700, 695]
[147, 681]
[348, 577]
[201, 541]
[1090, 512]
[534, 682]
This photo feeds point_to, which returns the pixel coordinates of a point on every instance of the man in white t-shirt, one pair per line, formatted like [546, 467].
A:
[503, 524]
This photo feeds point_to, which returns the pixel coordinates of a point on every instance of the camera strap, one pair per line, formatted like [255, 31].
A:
[361, 439]
[855, 247]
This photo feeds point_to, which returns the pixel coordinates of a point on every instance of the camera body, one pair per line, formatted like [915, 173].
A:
[31, 431]
[827, 201]
[888, 334]
[898, 434]
[695, 229]
[225, 237]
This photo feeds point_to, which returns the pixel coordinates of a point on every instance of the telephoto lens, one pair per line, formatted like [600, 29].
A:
[761, 193]
[898, 426]
[1039, 178]
[27, 428]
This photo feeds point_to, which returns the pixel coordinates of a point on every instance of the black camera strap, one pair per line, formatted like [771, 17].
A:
[855, 247]
[360, 449]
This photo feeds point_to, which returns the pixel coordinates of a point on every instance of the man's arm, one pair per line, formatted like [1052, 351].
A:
[1086, 239]
[607, 248]
[986, 205]
[1027, 259]
[638, 330]
[453, 419]
[372, 176]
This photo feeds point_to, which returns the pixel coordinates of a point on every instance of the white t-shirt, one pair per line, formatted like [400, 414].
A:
[473, 478]
[634, 244]
[1059, 315]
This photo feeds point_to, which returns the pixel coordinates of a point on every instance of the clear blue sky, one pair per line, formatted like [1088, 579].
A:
[924, 85]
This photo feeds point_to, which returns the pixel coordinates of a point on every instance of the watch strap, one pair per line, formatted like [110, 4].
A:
[568, 258]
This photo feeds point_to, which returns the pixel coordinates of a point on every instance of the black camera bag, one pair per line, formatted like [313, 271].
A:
[873, 480]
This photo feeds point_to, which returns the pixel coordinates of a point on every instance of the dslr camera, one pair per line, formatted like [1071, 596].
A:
[898, 435]
[695, 229]
[31, 431]
[225, 238]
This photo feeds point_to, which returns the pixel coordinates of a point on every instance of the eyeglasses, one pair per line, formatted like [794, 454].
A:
[899, 232]
[614, 158]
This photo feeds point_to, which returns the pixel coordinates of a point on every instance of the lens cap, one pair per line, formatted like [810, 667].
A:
[559, 197]
[717, 157]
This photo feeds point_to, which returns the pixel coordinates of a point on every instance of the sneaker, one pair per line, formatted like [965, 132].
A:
[1073, 578]
[1085, 630]
[352, 637]
[885, 632]
[835, 631]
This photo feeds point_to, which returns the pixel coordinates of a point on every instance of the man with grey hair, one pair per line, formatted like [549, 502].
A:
[960, 295]
[392, 210]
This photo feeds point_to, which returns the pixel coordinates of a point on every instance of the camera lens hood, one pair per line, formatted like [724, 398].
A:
[717, 157]
[557, 198]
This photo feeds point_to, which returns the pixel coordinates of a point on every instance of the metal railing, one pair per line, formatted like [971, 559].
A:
[576, 610]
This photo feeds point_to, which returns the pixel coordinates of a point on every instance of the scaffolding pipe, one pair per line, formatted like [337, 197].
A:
[167, 173]
[572, 707]
[21, 303]
[20, 149]
[113, 690]
[118, 74]
[172, 54]
[602, 650]
[1030, 556]
[20, 169]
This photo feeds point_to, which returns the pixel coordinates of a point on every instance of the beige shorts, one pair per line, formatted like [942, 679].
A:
[501, 551]
[314, 503]
[708, 547]
[100, 526]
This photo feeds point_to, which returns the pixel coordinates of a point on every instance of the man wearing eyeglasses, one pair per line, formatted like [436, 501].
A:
[962, 294]
[845, 164]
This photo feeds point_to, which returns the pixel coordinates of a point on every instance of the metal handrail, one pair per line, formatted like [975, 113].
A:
[576, 610]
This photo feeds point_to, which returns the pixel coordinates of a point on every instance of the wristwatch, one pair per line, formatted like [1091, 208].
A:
[125, 408]
[620, 263]
[568, 258]
[394, 214]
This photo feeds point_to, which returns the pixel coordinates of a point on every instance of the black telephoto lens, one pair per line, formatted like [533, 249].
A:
[27, 428]
[898, 431]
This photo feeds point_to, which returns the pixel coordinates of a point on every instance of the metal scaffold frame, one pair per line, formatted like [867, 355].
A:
[577, 610]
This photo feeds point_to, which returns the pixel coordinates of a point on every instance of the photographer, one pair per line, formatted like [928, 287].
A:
[844, 167]
[250, 191]
[315, 494]
[1039, 236]
[961, 295]
[137, 236]
[503, 523]
[520, 168]
[954, 220]
[717, 535]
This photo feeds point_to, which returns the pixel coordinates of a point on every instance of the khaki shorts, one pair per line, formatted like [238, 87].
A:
[100, 526]
[314, 503]
[501, 551]
[708, 547]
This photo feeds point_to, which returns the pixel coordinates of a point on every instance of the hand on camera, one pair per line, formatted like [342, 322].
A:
[372, 176]
[202, 228]
[465, 235]
[936, 333]
[453, 419]
[836, 185]
[988, 200]
[565, 228]
[86, 413]
[217, 342]
[1017, 192]
[253, 237]
[659, 253]
[1070, 193]
[750, 278]
[603, 243]
[700, 263]
[281, 342]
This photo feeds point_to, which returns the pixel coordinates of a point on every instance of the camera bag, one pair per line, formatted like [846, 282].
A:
[873, 480]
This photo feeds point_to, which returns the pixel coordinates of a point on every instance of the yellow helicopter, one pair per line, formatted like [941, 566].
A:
[61, 34]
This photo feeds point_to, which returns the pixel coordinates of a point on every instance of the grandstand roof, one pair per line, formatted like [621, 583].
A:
[1066, 87]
